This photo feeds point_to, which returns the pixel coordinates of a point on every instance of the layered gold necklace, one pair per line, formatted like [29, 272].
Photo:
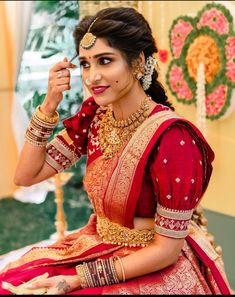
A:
[113, 134]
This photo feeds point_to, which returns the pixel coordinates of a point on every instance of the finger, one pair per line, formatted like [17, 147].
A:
[63, 81]
[61, 73]
[62, 65]
[38, 284]
[63, 88]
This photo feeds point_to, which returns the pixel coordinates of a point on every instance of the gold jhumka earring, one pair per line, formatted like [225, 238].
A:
[88, 39]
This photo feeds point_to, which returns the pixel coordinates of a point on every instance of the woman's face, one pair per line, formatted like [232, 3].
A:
[105, 73]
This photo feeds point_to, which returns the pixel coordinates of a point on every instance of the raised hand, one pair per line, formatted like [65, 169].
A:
[58, 82]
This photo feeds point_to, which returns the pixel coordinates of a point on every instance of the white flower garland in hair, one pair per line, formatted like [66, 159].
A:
[149, 68]
[201, 99]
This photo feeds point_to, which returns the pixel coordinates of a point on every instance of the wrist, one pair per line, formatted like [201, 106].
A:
[47, 109]
[52, 119]
[98, 273]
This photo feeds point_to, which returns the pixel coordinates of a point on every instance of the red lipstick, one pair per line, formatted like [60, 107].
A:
[98, 89]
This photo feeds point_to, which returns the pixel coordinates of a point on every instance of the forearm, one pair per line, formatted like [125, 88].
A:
[31, 167]
[158, 255]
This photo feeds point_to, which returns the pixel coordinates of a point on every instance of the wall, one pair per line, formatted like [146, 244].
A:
[220, 134]
[8, 154]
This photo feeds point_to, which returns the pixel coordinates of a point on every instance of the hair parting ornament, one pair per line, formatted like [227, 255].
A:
[88, 39]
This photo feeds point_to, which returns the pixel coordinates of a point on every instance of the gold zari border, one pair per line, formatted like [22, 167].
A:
[174, 213]
[65, 150]
[172, 233]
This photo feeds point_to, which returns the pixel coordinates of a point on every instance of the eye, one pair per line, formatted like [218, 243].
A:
[105, 61]
[84, 64]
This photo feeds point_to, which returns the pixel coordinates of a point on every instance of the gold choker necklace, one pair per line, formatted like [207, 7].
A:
[113, 134]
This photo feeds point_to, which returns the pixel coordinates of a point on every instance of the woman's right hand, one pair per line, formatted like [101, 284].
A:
[58, 82]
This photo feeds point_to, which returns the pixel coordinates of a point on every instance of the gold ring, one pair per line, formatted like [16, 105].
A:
[59, 74]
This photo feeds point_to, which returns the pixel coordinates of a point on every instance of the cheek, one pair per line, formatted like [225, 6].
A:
[120, 74]
[122, 78]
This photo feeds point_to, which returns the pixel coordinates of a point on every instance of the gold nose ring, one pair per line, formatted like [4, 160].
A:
[87, 81]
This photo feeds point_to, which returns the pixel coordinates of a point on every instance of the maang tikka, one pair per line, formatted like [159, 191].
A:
[88, 39]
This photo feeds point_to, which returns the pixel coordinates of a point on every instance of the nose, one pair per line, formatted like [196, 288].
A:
[94, 75]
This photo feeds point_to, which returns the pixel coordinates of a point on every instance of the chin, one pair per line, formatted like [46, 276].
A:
[102, 100]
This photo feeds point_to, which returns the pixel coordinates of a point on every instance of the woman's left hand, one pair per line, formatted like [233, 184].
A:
[57, 285]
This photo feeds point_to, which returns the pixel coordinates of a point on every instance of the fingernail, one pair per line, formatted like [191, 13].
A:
[74, 66]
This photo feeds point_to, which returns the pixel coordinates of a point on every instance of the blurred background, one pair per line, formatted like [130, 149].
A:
[34, 35]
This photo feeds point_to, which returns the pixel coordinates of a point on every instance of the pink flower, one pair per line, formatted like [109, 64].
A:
[214, 19]
[163, 56]
[178, 35]
[178, 84]
[215, 100]
[230, 57]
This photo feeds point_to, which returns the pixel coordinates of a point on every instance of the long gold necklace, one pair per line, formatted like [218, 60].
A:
[113, 134]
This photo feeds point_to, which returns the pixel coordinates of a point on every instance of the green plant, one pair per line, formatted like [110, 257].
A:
[52, 37]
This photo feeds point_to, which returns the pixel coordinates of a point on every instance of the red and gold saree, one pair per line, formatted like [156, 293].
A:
[136, 182]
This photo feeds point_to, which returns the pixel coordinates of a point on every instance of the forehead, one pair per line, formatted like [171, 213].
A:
[101, 46]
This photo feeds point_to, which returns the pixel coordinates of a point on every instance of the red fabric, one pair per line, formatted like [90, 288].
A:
[223, 286]
[78, 125]
[187, 275]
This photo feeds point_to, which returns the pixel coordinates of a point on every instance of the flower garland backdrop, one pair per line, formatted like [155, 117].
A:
[207, 38]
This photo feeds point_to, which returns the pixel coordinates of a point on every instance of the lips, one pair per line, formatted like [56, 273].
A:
[99, 89]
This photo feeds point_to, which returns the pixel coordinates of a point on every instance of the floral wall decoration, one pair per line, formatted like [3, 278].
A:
[207, 38]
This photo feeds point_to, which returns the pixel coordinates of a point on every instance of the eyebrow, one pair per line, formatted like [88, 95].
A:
[98, 55]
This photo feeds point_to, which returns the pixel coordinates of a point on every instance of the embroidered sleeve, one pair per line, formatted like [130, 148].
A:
[180, 172]
[68, 145]
[61, 152]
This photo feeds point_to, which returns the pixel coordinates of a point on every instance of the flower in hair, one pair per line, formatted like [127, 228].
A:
[148, 72]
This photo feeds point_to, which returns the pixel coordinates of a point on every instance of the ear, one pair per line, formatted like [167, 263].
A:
[141, 58]
[139, 61]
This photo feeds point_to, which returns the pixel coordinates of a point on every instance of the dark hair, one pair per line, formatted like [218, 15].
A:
[127, 30]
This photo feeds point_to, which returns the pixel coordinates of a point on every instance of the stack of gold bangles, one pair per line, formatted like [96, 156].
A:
[40, 128]
[99, 273]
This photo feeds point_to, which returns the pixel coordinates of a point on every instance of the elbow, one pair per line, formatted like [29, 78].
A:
[22, 181]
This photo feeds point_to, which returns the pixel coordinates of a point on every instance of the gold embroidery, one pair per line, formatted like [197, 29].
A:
[111, 232]
[121, 181]
[59, 155]
[62, 255]
[174, 214]
[66, 136]
[96, 181]
[172, 233]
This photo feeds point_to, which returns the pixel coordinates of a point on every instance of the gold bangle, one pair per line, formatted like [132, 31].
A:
[81, 274]
[52, 120]
[122, 268]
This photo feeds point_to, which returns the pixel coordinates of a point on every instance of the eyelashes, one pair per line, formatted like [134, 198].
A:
[84, 64]
[102, 61]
